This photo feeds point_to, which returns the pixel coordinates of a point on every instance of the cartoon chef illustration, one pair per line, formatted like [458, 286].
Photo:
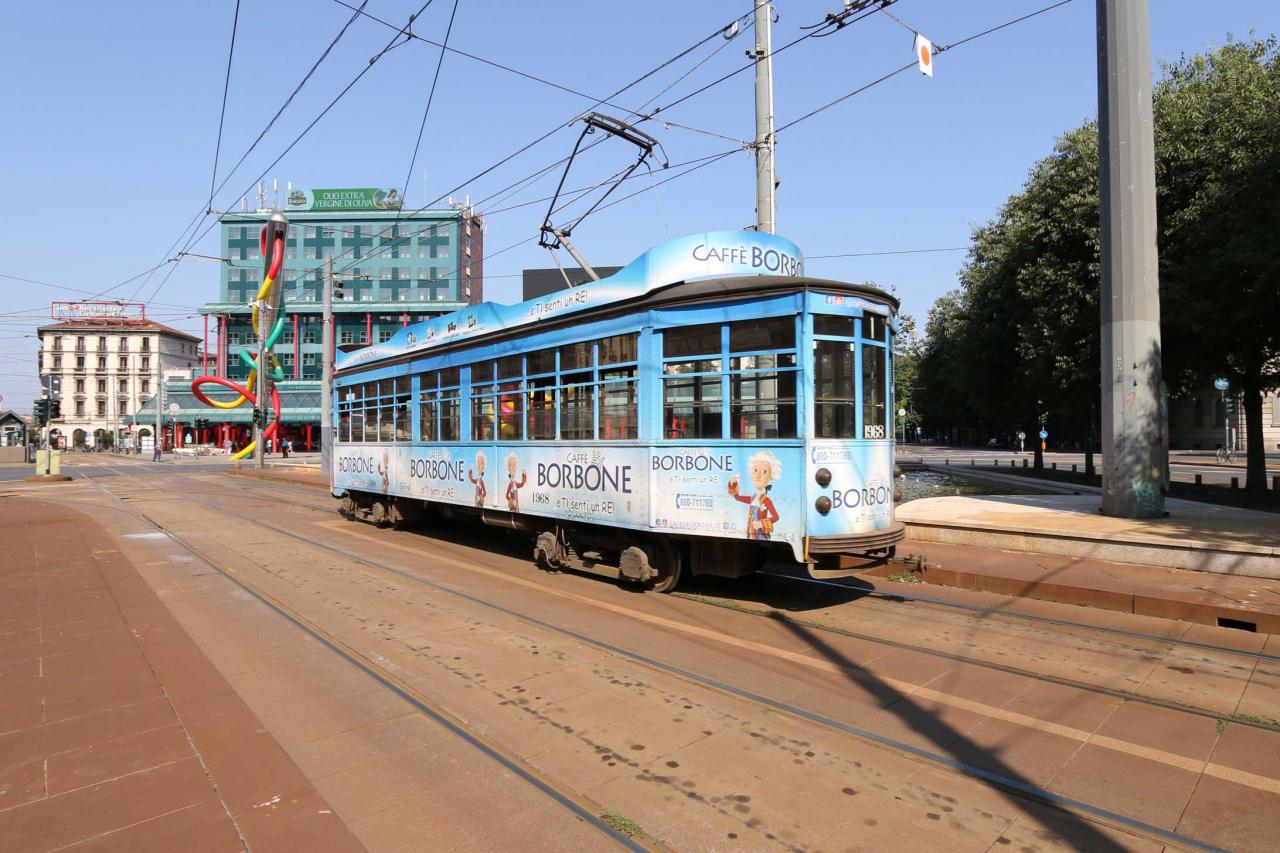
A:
[477, 477]
[514, 487]
[385, 470]
[764, 468]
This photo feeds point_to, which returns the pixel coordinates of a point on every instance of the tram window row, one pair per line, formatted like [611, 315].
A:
[718, 380]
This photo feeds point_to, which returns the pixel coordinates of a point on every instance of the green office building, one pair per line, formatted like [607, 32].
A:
[395, 267]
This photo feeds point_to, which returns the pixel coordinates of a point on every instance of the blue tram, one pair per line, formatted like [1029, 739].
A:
[704, 410]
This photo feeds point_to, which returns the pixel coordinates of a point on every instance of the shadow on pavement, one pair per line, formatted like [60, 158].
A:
[1078, 832]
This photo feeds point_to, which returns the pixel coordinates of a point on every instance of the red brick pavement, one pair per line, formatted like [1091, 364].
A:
[116, 733]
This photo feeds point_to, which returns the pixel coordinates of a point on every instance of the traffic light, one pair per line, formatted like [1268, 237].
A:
[337, 289]
[55, 409]
[42, 411]
[1231, 406]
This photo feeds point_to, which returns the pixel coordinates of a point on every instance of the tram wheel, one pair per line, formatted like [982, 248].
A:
[348, 506]
[666, 559]
[378, 513]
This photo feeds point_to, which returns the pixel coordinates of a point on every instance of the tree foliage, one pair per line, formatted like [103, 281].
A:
[1023, 326]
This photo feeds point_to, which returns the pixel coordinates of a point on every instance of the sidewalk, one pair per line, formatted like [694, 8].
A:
[1190, 596]
[1200, 536]
[115, 730]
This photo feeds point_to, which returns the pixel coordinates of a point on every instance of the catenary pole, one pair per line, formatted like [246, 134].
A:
[326, 371]
[764, 142]
[1134, 453]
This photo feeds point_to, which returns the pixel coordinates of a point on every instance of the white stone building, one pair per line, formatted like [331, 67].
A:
[109, 366]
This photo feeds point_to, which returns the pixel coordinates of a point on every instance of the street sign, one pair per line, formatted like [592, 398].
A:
[1044, 433]
[1221, 384]
[1021, 435]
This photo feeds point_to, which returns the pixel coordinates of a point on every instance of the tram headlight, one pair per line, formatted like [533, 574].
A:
[823, 505]
[823, 476]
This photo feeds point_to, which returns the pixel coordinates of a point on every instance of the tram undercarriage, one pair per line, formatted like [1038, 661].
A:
[658, 562]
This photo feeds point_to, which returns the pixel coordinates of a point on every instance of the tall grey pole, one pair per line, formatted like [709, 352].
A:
[326, 370]
[764, 143]
[1133, 450]
[159, 437]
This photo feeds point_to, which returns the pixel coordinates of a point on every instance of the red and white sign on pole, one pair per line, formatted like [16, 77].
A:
[924, 55]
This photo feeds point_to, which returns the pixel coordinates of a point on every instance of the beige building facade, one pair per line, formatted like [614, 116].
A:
[108, 367]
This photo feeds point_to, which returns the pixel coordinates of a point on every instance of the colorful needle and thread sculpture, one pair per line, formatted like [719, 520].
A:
[266, 296]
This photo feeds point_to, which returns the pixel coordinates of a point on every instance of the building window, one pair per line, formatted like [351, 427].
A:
[384, 335]
[57, 362]
[124, 345]
[79, 362]
[146, 363]
[102, 344]
[146, 386]
[124, 386]
[124, 362]
[102, 408]
[80, 343]
[308, 335]
[311, 365]
[79, 386]
[79, 408]
[102, 386]
[146, 344]
[57, 343]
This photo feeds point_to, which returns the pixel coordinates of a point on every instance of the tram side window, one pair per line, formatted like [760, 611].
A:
[874, 397]
[692, 402]
[450, 411]
[428, 406]
[402, 421]
[833, 390]
[617, 360]
[763, 385]
[577, 392]
[370, 411]
[482, 401]
[541, 395]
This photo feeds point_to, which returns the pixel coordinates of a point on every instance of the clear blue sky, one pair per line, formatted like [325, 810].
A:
[111, 112]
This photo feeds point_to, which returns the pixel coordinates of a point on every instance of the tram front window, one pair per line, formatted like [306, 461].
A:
[874, 397]
[833, 388]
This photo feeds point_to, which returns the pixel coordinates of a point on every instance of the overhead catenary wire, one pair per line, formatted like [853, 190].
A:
[435, 78]
[195, 220]
[222, 114]
[299, 137]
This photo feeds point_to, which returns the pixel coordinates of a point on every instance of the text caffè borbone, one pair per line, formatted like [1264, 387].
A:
[755, 257]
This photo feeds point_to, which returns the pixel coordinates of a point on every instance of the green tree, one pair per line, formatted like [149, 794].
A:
[1217, 159]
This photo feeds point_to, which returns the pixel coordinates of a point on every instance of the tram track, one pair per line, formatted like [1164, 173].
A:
[980, 610]
[580, 807]
[1010, 785]
[1268, 725]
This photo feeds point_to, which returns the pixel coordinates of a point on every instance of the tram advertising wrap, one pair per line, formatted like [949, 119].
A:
[727, 491]
[751, 493]
[860, 489]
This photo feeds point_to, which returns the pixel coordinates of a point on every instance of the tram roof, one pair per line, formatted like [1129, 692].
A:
[727, 264]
